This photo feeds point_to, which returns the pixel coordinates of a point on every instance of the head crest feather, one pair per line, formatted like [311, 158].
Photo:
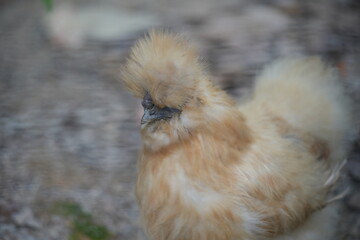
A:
[164, 65]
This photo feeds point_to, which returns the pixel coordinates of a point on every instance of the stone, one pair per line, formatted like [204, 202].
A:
[25, 217]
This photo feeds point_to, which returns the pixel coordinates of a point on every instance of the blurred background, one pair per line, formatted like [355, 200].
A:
[69, 132]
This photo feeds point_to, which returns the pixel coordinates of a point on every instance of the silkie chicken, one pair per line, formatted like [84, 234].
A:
[212, 170]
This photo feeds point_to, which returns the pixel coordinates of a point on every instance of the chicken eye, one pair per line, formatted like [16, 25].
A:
[147, 105]
[147, 102]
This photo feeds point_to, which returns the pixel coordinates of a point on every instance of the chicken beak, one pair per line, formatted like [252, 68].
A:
[156, 113]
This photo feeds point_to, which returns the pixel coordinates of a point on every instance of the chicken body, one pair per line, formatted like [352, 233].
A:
[210, 169]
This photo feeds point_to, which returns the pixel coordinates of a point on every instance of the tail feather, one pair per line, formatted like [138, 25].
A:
[309, 96]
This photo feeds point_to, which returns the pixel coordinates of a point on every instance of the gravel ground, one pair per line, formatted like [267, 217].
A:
[68, 130]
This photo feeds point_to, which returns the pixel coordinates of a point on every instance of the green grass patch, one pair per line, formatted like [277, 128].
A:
[49, 4]
[82, 224]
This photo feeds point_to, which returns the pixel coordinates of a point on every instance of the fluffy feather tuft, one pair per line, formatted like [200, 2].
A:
[166, 66]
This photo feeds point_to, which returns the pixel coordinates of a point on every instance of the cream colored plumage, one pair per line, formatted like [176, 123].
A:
[210, 169]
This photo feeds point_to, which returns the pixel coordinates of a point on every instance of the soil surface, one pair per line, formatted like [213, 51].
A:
[69, 132]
